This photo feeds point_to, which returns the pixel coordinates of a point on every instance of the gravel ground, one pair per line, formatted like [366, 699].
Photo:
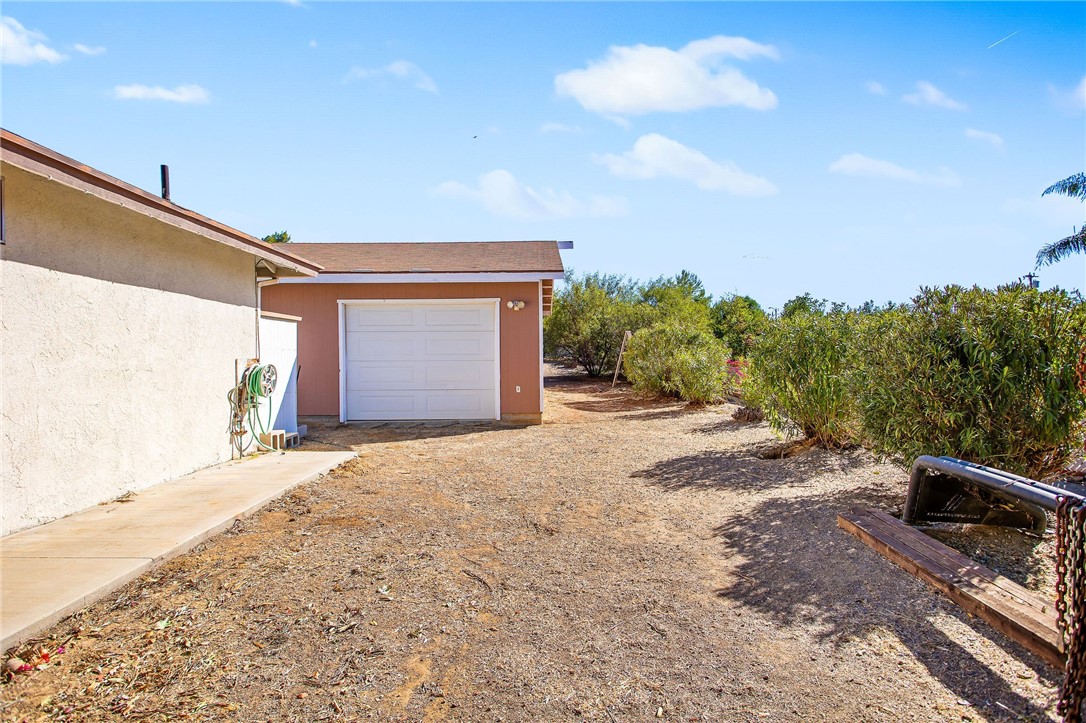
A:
[627, 560]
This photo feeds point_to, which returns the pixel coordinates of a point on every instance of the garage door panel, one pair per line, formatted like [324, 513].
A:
[386, 405]
[409, 346]
[460, 375]
[371, 346]
[392, 317]
[359, 317]
[463, 318]
[389, 405]
[378, 375]
[402, 376]
[459, 345]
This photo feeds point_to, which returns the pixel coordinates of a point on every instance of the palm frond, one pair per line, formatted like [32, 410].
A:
[1058, 250]
[1073, 186]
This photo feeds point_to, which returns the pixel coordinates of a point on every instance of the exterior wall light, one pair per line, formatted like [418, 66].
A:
[515, 305]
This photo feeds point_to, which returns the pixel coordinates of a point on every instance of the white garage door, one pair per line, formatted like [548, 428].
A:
[420, 360]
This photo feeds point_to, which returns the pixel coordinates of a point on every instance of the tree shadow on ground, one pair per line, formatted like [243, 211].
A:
[608, 402]
[630, 406]
[742, 470]
[798, 567]
[576, 380]
[670, 412]
[724, 426]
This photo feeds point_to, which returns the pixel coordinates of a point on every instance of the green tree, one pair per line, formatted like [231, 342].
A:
[589, 317]
[279, 237]
[1072, 187]
[684, 284]
[679, 300]
[805, 304]
[739, 321]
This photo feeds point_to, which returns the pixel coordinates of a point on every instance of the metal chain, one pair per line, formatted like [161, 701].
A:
[1081, 367]
[1071, 604]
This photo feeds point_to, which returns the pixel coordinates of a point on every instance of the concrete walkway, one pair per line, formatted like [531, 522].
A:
[51, 571]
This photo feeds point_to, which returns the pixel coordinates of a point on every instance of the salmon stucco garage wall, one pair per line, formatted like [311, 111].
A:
[120, 333]
[516, 278]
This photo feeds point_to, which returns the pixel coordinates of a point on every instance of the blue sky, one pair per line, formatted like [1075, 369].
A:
[853, 150]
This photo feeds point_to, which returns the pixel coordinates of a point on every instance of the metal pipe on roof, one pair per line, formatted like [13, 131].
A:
[165, 182]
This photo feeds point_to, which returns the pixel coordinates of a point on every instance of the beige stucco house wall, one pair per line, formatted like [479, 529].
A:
[120, 332]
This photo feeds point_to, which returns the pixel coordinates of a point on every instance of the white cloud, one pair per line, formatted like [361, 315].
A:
[656, 156]
[180, 94]
[401, 70]
[856, 164]
[928, 94]
[559, 128]
[1074, 100]
[312, 43]
[640, 79]
[994, 138]
[90, 50]
[19, 46]
[875, 87]
[503, 195]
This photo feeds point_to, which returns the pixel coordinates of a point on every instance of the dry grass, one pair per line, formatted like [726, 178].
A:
[627, 560]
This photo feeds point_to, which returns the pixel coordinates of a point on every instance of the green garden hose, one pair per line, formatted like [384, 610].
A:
[257, 382]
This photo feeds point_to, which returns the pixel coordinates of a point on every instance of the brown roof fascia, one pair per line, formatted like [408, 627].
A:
[33, 157]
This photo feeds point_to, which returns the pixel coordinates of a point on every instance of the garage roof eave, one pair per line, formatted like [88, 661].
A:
[39, 160]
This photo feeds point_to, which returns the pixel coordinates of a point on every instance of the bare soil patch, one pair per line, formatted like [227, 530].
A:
[627, 560]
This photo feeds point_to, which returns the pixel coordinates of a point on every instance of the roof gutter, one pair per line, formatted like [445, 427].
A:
[39, 160]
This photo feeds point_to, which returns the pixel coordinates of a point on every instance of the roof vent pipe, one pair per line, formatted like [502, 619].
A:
[165, 182]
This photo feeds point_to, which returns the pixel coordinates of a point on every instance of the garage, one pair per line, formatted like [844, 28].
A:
[422, 359]
[421, 331]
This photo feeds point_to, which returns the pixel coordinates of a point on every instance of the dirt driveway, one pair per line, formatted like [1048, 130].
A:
[625, 561]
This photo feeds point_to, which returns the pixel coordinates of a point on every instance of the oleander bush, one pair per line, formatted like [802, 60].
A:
[679, 360]
[798, 375]
[987, 376]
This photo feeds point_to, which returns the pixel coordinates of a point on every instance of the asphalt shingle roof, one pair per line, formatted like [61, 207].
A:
[454, 257]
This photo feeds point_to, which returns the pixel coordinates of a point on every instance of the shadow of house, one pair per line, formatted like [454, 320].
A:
[355, 435]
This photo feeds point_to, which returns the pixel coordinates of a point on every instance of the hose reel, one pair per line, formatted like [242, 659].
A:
[262, 378]
[257, 382]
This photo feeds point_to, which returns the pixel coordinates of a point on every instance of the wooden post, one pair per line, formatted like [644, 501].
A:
[621, 351]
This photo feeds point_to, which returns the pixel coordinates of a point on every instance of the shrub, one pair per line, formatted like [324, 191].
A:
[680, 361]
[987, 376]
[589, 316]
[798, 377]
